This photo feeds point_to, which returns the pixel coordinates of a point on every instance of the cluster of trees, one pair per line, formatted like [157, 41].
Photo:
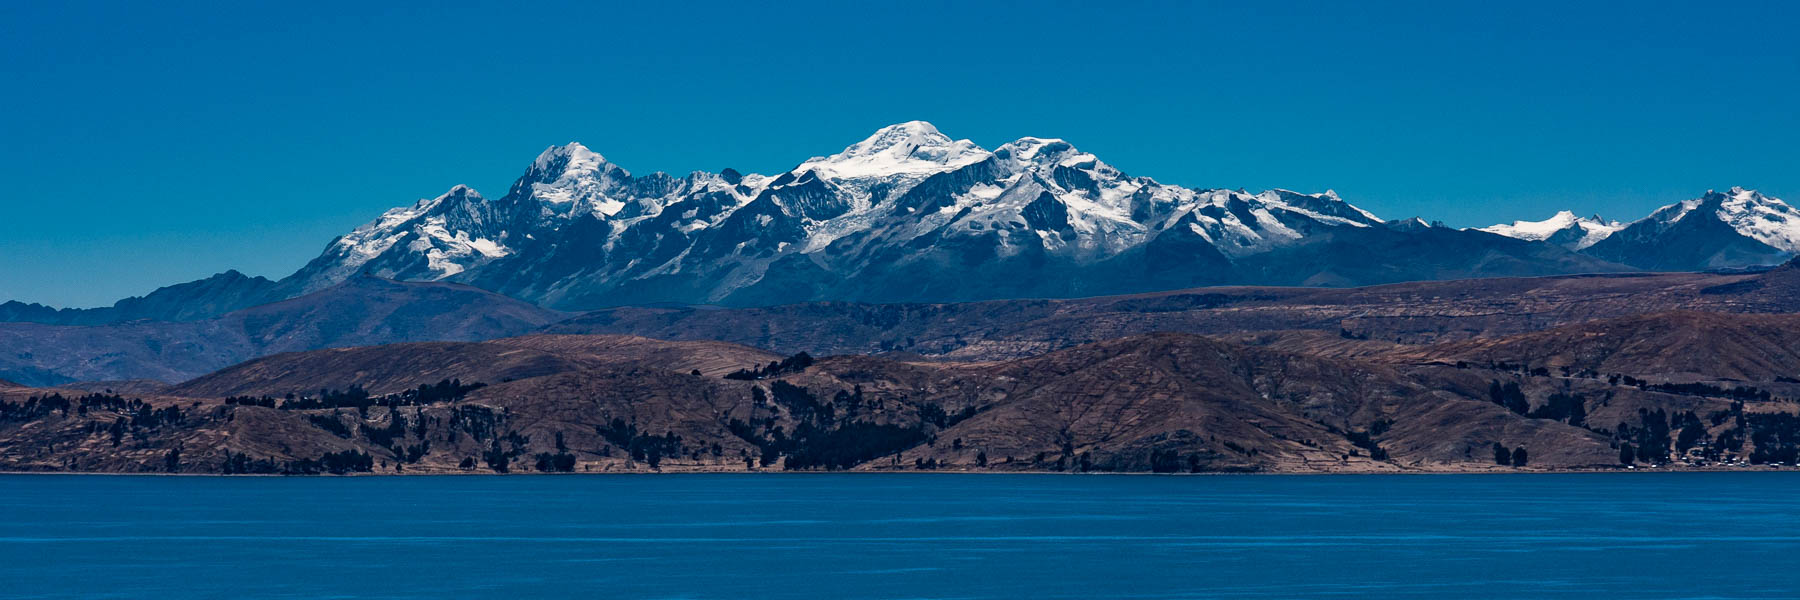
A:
[799, 402]
[479, 422]
[1563, 407]
[823, 440]
[499, 456]
[1512, 367]
[33, 408]
[792, 364]
[336, 463]
[646, 448]
[1659, 433]
[139, 413]
[1509, 396]
[935, 415]
[560, 462]
[356, 397]
[1172, 461]
[1366, 440]
[332, 423]
[1517, 457]
[1650, 442]
[392, 436]
[133, 416]
[1775, 438]
[1559, 406]
[263, 401]
[448, 390]
[847, 445]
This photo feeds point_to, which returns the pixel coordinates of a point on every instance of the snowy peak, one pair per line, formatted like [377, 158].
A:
[1323, 207]
[1039, 151]
[459, 195]
[910, 148]
[1536, 230]
[568, 160]
[570, 180]
[1563, 229]
[1764, 219]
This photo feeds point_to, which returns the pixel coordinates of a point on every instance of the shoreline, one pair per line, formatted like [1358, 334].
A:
[1494, 472]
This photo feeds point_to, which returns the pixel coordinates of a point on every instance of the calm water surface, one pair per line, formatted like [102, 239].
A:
[1716, 535]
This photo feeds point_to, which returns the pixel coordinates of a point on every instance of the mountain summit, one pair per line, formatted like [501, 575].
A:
[1733, 229]
[1563, 229]
[910, 148]
[908, 213]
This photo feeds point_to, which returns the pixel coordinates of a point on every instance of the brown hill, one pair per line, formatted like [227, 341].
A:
[130, 387]
[378, 369]
[710, 358]
[1207, 405]
[396, 367]
[1683, 345]
[1409, 313]
[1158, 402]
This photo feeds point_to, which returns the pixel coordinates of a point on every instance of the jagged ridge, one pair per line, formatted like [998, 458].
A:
[906, 214]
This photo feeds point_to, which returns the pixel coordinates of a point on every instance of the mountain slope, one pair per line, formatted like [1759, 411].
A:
[1739, 228]
[1119, 404]
[190, 301]
[1164, 402]
[1420, 312]
[1679, 345]
[392, 368]
[360, 311]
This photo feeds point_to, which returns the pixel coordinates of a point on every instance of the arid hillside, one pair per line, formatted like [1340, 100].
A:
[1681, 346]
[1408, 313]
[1165, 402]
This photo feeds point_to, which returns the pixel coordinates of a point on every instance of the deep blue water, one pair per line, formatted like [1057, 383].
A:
[903, 536]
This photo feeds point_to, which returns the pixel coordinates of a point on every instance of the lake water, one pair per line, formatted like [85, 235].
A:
[903, 536]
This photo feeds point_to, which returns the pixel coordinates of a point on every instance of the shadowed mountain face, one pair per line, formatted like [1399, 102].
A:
[1718, 230]
[367, 311]
[1410, 313]
[360, 311]
[1735, 229]
[190, 301]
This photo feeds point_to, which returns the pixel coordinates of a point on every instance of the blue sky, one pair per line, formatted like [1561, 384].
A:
[144, 144]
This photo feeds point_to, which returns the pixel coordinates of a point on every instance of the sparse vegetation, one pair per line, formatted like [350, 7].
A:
[792, 364]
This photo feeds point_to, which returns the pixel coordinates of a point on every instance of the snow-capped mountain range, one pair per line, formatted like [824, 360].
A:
[1737, 228]
[906, 214]
[911, 214]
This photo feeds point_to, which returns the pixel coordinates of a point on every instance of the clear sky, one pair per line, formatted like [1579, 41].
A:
[149, 143]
